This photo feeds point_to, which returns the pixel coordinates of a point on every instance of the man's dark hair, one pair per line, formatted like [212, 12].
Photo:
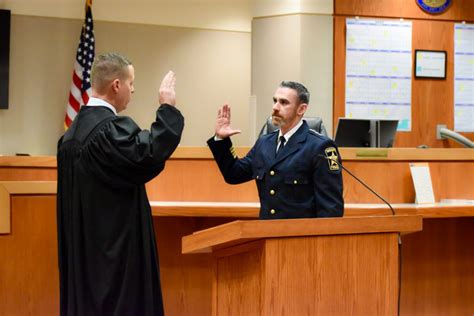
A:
[303, 93]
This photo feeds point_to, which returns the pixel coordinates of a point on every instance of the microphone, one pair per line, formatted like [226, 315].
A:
[360, 181]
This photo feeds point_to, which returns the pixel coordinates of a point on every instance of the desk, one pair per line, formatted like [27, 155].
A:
[438, 263]
[251, 209]
[437, 266]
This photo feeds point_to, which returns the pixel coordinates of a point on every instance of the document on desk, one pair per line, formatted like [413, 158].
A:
[379, 70]
[464, 77]
[420, 173]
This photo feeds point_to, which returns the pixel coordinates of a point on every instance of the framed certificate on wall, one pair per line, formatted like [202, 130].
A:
[430, 64]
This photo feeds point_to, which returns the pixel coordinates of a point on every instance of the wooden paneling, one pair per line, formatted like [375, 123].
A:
[239, 231]
[186, 280]
[251, 210]
[362, 269]
[307, 275]
[438, 269]
[392, 180]
[8, 188]
[197, 180]
[460, 10]
[432, 99]
[240, 283]
[29, 278]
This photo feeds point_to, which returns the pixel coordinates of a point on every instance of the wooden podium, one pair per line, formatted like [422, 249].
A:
[330, 266]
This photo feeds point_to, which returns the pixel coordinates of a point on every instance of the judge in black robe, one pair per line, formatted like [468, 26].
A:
[108, 260]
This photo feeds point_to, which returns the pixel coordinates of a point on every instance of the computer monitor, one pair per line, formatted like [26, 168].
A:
[365, 132]
[386, 131]
[353, 133]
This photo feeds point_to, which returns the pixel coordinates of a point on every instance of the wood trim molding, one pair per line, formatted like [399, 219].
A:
[8, 188]
[28, 161]
[251, 209]
[385, 154]
[249, 230]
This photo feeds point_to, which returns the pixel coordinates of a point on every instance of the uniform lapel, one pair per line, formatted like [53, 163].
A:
[292, 145]
[269, 147]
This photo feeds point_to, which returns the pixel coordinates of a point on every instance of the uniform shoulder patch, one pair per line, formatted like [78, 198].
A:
[232, 152]
[331, 153]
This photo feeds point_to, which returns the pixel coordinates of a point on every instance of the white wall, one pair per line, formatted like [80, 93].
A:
[210, 14]
[297, 47]
[212, 67]
[207, 42]
[266, 8]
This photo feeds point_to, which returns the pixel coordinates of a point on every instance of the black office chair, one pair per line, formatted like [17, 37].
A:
[314, 123]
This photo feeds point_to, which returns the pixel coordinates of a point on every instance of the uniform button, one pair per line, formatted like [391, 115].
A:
[258, 177]
[272, 173]
[295, 181]
[272, 192]
[272, 211]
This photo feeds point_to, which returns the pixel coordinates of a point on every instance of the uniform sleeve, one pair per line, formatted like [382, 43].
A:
[327, 179]
[233, 170]
[124, 152]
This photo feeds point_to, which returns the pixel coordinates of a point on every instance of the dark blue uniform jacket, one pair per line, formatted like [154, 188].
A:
[295, 183]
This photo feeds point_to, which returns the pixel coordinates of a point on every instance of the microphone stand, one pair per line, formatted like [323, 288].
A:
[360, 181]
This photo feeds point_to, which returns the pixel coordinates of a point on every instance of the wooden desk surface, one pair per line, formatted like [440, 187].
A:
[250, 209]
[385, 154]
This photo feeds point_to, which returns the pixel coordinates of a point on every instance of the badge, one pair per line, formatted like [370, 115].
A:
[434, 6]
[331, 153]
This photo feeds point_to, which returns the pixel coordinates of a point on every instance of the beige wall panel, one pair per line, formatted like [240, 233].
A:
[42, 52]
[209, 14]
[275, 57]
[212, 67]
[316, 65]
[271, 7]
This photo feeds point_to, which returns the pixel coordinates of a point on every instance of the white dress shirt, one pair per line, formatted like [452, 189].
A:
[100, 102]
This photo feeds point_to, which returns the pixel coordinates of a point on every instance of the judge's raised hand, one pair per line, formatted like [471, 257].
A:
[223, 129]
[167, 93]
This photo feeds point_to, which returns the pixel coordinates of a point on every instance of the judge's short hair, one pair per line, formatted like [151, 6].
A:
[303, 93]
[108, 67]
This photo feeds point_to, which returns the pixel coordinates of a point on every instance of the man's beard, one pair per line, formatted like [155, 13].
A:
[277, 120]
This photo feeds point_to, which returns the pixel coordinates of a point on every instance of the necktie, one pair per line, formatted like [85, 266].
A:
[282, 144]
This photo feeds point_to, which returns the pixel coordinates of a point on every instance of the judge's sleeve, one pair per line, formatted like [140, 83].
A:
[138, 155]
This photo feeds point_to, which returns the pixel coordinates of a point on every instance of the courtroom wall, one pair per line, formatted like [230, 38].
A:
[212, 67]
[432, 100]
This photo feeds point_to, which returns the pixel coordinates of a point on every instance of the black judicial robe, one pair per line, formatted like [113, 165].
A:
[108, 261]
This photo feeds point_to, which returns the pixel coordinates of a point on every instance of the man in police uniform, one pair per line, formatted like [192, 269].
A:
[294, 167]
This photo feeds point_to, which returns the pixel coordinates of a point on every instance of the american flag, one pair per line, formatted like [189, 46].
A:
[81, 82]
